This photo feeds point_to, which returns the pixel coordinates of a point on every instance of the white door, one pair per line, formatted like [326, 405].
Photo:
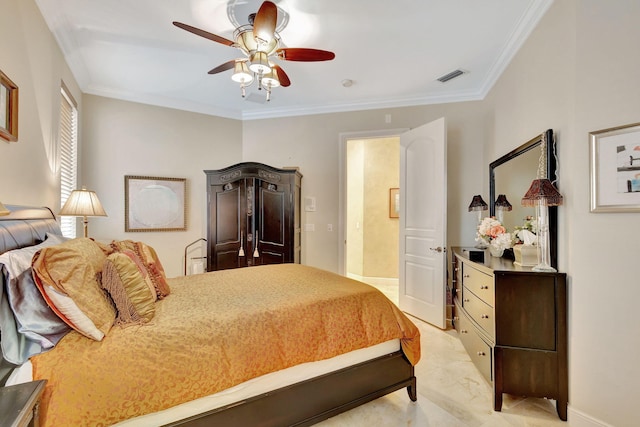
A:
[423, 207]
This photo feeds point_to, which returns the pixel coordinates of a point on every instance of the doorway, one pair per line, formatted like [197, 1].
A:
[422, 223]
[369, 176]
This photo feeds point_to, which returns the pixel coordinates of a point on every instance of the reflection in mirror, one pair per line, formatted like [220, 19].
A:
[512, 174]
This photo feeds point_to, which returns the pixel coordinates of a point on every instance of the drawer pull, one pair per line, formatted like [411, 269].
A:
[466, 276]
[485, 316]
[481, 353]
[466, 300]
[464, 331]
[484, 287]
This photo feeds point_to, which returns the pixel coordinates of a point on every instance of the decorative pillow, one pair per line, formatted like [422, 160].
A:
[72, 270]
[28, 324]
[151, 262]
[143, 271]
[159, 278]
[133, 298]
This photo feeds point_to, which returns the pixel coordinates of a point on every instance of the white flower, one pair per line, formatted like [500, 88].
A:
[502, 241]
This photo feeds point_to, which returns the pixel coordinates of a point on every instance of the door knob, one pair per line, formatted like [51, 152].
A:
[438, 249]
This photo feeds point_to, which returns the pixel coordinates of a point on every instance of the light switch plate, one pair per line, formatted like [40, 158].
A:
[310, 204]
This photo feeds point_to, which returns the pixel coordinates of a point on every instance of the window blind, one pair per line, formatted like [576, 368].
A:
[68, 157]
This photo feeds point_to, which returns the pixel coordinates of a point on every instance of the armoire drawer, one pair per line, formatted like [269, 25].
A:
[480, 312]
[478, 350]
[479, 283]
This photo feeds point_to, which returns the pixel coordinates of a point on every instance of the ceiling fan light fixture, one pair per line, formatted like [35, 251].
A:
[259, 41]
[270, 80]
[260, 63]
[241, 73]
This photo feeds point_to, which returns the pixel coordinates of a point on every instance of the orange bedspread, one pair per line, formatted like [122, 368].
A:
[215, 330]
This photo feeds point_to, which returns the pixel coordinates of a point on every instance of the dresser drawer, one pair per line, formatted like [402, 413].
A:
[479, 283]
[480, 312]
[478, 350]
[457, 278]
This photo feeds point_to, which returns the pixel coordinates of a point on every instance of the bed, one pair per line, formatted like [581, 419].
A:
[306, 345]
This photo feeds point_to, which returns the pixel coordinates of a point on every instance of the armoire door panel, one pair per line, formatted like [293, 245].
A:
[228, 218]
[228, 259]
[272, 215]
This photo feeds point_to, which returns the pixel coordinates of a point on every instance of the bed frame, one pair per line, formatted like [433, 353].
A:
[301, 404]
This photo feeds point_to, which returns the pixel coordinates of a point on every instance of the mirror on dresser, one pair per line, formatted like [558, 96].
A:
[512, 174]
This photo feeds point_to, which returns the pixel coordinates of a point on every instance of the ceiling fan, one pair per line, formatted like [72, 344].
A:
[260, 43]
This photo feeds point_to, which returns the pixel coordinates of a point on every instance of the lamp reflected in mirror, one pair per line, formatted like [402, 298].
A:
[502, 205]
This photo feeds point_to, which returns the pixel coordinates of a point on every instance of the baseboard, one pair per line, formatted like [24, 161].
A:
[379, 281]
[580, 419]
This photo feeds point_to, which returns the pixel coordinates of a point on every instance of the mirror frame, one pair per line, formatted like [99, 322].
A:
[551, 171]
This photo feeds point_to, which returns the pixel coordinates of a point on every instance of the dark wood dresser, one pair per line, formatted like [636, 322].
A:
[253, 216]
[513, 323]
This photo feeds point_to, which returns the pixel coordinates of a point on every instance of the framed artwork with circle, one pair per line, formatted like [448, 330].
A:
[154, 203]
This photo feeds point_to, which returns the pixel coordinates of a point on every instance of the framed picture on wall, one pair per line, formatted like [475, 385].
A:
[8, 108]
[154, 204]
[394, 203]
[615, 169]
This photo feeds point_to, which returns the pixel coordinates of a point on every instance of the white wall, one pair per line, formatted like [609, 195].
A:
[313, 144]
[30, 57]
[124, 138]
[576, 74]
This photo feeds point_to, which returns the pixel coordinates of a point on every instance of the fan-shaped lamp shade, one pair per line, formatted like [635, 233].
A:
[502, 203]
[83, 203]
[542, 191]
[4, 211]
[478, 204]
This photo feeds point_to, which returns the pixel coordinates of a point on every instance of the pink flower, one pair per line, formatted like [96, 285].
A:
[496, 230]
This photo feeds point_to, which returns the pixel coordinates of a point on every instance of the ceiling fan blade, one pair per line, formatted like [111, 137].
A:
[203, 33]
[264, 24]
[302, 54]
[282, 76]
[223, 67]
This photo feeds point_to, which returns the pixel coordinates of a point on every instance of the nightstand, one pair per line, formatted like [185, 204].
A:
[19, 404]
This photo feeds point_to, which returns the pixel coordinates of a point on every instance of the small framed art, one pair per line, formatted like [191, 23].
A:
[8, 108]
[615, 169]
[394, 203]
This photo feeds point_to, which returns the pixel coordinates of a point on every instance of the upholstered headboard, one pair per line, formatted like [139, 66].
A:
[26, 226]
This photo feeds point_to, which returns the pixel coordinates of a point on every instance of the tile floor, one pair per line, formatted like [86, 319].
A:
[451, 393]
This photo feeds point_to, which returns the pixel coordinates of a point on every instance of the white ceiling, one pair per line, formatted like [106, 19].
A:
[393, 51]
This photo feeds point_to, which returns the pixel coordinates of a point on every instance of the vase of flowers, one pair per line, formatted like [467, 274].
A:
[492, 233]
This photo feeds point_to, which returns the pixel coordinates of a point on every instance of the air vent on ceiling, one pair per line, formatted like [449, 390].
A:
[451, 75]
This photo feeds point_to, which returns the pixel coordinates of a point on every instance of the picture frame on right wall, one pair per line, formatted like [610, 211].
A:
[615, 169]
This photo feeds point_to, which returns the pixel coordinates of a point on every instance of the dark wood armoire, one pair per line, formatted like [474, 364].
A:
[253, 216]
